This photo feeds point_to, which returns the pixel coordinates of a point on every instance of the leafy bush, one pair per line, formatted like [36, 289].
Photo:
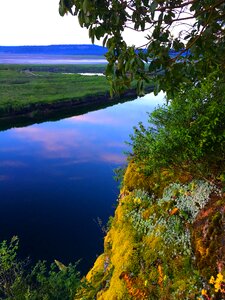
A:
[19, 280]
[188, 131]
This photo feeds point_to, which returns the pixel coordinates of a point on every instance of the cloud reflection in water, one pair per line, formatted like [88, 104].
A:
[56, 177]
[83, 141]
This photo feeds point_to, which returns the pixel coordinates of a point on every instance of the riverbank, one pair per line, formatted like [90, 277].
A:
[39, 90]
[63, 109]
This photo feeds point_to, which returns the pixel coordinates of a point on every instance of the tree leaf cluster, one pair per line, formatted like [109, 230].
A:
[184, 39]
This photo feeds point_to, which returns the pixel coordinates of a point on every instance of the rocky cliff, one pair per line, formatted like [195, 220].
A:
[166, 240]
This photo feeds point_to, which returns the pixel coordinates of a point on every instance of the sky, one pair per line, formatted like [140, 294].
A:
[37, 22]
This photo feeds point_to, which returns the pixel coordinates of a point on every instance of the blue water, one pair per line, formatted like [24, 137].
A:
[56, 180]
[48, 59]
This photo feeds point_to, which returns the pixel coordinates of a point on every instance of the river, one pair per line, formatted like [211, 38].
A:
[56, 180]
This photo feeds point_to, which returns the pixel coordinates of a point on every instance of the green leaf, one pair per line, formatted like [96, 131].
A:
[86, 6]
[60, 265]
[153, 7]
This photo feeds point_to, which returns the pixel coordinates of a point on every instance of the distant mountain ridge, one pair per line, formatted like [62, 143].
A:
[55, 50]
[85, 49]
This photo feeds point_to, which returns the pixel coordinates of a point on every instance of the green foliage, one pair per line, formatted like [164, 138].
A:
[189, 131]
[119, 173]
[11, 270]
[198, 39]
[19, 280]
[55, 283]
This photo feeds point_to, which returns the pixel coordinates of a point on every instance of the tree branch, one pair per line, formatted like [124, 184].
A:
[163, 8]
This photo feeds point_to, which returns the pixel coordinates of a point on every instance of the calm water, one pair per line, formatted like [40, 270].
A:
[48, 59]
[56, 180]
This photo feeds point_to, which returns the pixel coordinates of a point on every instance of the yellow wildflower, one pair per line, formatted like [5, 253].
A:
[217, 282]
[137, 201]
[220, 277]
[217, 286]
[204, 292]
[212, 280]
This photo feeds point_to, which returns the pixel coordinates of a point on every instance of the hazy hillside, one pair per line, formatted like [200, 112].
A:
[54, 50]
[61, 50]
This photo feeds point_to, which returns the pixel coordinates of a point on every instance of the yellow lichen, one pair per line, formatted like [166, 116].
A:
[161, 276]
[122, 245]
[199, 246]
[134, 179]
[98, 266]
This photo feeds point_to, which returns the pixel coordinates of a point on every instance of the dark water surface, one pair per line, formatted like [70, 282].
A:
[56, 180]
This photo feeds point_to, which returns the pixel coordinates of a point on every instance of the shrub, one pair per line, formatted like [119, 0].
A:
[19, 280]
[188, 131]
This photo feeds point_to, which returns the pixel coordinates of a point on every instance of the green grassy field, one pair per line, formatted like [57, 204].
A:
[22, 86]
[28, 88]
[76, 68]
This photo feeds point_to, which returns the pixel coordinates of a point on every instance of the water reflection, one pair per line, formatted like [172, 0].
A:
[56, 178]
[94, 119]
[49, 142]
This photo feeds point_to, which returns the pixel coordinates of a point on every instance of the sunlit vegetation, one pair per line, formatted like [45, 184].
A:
[166, 239]
[25, 88]
[21, 87]
[186, 134]
[152, 250]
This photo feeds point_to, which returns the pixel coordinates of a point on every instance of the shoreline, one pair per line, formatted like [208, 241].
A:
[42, 112]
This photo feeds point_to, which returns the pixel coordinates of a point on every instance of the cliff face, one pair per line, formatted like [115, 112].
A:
[166, 241]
